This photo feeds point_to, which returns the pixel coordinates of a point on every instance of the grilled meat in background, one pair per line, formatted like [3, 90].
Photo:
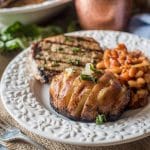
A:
[52, 55]
[83, 100]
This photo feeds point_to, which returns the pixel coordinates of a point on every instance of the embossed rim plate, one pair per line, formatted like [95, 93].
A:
[20, 101]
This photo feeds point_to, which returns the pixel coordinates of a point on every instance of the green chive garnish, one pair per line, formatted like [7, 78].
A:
[88, 77]
[69, 39]
[94, 69]
[76, 49]
[75, 62]
[100, 119]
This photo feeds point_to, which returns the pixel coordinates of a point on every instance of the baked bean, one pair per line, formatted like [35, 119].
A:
[128, 60]
[141, 81]
[131, 68]
[139, 73]
[133, 83]
[100, 65]
[114, 54]
[122, 57]
[115, 70]
[107, 54]
[141, 58]
[136, 61]
[121, 61]
[143, 64]
[122, 47]
[114, 63]
[132, 72]
[123, 53]
[125, 75]
[107, 63]
[136, 53]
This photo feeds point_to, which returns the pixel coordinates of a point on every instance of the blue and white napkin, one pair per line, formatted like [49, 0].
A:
[140, 25]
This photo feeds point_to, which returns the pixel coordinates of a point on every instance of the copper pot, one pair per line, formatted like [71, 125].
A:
[103, 14]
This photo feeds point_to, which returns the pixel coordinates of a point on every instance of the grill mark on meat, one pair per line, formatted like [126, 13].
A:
[79, 45]
[63, 37]
[69, 59]
[76, 62]
[81, 42]
[56, 61]
[36, 47]
[78, 38]
[65, 49]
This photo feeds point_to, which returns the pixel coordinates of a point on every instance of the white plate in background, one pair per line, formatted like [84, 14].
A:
[31, 13]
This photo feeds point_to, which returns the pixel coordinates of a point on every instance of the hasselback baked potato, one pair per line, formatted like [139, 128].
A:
[82, 97]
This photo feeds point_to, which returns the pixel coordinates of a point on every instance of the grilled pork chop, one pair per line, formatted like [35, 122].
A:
[52, 55]
[83, 100]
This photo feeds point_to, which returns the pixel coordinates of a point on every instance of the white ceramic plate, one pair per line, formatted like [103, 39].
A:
[31, 13]
[28, 102]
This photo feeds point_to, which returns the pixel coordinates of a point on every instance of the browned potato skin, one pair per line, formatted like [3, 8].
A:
[77, 97]
[60, 90]
[81, 100]
[92, 105]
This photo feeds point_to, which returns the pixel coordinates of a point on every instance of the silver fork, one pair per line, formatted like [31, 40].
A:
[11, 133]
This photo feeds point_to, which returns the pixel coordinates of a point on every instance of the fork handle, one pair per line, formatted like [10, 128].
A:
[29, 140]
